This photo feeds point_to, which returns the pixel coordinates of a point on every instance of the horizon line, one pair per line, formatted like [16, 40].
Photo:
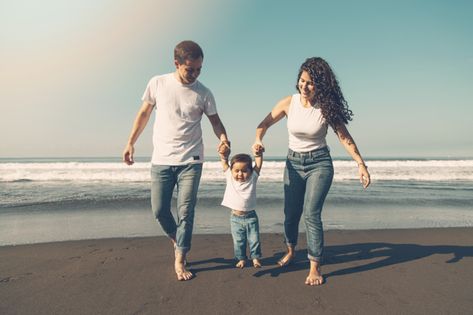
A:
[214, 157]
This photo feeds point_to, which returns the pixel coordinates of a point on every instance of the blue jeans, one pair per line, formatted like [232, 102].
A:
[307, 180]
[163, 180]
[245, 228]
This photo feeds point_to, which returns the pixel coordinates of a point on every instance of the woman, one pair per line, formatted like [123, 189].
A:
[309, 171]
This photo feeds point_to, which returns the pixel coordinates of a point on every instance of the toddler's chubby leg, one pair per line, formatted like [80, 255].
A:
[241, 264]
[237, 225]
[254, 240]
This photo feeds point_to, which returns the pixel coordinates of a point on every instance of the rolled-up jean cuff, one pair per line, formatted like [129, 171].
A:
[317, 259]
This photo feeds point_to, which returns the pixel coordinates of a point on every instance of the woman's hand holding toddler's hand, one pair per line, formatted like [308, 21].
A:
[258, 148]
[365, 179]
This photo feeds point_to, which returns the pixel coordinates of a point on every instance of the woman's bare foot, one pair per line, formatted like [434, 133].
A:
[315, 276]
[288, 258]
[256, 263]
[240, 264]
[179, 266]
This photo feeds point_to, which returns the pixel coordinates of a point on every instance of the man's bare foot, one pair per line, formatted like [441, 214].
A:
[174, 244]
[240, 264]
[256, 263]
[179, 266]
[315, 276]
[182, 273]
[288, 258]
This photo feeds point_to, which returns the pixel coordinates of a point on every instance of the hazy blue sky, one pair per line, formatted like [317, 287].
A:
[72, 72]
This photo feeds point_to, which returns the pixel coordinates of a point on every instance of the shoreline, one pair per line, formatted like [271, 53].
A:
[415, 271]
[160, 234]
[36, 225]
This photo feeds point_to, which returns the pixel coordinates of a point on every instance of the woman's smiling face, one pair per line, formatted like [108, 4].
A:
[306, 86]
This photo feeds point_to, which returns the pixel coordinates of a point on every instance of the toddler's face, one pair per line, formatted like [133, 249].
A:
[241, 172]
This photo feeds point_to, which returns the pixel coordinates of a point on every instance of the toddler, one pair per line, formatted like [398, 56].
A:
[240, 197]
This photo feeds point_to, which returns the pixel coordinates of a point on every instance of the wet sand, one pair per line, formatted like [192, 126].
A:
[412, 271]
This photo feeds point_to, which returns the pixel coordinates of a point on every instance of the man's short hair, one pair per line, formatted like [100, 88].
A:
[187, 50]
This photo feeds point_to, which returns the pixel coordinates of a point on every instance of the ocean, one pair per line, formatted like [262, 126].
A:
[44, 200]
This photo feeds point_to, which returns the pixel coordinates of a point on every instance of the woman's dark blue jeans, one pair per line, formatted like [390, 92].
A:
[307, 180]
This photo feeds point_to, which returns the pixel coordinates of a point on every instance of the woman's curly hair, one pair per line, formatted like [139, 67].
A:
[328, 94]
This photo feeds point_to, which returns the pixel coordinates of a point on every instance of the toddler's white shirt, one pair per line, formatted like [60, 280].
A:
[240, 195]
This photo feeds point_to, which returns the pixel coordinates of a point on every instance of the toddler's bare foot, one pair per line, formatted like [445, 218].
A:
[240, 264]
[315, 276]
[256, 263]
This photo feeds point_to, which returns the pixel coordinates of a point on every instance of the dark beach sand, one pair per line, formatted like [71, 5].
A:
[421, 271]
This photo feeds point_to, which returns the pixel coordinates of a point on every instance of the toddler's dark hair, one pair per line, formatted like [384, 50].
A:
[242, 157]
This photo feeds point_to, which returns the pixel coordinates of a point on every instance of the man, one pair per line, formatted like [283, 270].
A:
[180, 101]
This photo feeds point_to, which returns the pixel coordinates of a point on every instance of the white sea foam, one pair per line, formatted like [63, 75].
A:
[419, 170]
[409, 193]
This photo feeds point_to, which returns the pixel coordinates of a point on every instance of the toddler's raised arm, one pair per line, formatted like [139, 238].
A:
[258, 160]
[224, 159]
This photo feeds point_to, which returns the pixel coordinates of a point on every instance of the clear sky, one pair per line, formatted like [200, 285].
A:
[72, 72]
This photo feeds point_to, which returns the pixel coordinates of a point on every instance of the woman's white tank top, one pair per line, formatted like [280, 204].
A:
[307, 127]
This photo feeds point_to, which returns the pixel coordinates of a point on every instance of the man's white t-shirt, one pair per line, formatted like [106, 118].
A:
[177, 134]
[240, 195]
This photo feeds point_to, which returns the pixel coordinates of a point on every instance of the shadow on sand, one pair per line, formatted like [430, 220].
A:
[387, 254]
[218, 264]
